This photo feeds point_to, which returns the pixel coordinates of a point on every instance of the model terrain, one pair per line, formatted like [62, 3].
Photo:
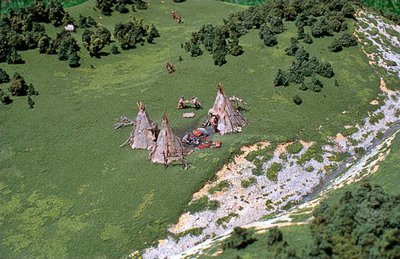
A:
[97, 160]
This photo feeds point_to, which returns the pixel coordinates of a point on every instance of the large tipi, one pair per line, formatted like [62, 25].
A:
[144, 133]
[229, 119]
[169, 147]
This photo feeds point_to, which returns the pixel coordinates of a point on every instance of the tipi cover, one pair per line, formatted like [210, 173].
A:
[168, 148]
[230, 119]
[144, 133]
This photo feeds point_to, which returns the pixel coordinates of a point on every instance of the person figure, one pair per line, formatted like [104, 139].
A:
[214, 122]
[173, 14]
[181, 103]
[170, 68]
[195, 101]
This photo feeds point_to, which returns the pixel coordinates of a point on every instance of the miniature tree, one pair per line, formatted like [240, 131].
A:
[325, 69]
[120, 7]
[4, 77]
[31, 90]
[152, 34]
[30, 102]
[56, 12]
[114, 49]
[307, 39]
[297, 100]
[18, 86]
[14, 58]
[347, 40]
[281, 78]
[239, 239]
[44, 44]
[291, 51]
[348, 10]
[336, 46]
[234, 48]
[73, 59]
[267, 35]
[5, 98]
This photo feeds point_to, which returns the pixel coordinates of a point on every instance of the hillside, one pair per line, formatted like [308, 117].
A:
[68, 190]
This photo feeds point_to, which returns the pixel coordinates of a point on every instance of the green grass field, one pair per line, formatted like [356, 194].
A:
[68, 191]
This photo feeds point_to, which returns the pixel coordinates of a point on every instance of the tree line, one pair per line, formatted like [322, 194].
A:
[325, 18]
[363, 223]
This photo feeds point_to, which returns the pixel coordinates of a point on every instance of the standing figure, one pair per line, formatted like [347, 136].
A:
[214, 122]
[170, 68]
[195, 101]
[181, 103]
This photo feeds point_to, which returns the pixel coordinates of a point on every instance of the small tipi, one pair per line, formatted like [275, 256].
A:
[169, 147]
[144, 133]
[229, 119]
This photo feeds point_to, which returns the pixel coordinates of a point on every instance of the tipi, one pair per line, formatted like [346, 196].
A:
[169, 147]
[144, 133]
[229, 119]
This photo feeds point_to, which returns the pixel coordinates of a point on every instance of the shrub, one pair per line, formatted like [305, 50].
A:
[201, 204]
[18, 86]
[281, 78]
[219, 187]
[192, 232]
[273, 170]
[114, 49]
[4, 77]
[297, 100]
[226, 219]
[248, 182]
[294, 148]
[307, 39]
[30, 102]
[347, 40]
[5, 98]
[335, 46]
[239, 239]
[375, 118]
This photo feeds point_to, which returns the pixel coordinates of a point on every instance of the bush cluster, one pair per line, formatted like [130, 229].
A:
[106, 7]
[134, 32]
[324, 17]
[303, 67]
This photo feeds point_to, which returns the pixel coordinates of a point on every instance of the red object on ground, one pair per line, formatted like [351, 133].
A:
[218, 143]
[197, 133]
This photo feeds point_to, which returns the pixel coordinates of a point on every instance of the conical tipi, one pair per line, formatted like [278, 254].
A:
[144, 133]
[169, 147]
[229, 119]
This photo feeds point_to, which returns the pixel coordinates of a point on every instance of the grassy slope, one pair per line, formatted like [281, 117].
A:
[68, 191]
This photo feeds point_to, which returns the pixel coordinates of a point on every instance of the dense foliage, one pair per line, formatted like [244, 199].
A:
[325, 18]
[365, 224]
[134, 32]
[106, 7]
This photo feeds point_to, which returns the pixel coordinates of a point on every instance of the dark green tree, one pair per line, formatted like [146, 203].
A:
[307, 39]
[335, 46]
[347, 40]
[73, 58]
[18, 86]
[114, 49]
[30, 102]
[5, 98]
[239, 239]
[4, 77]
[234, 48]
[14, 58]
[281, 78]
[297, 100]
